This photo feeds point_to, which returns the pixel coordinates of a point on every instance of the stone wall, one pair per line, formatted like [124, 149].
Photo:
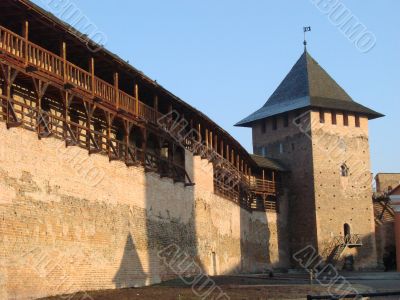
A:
[72, 222]
[344, 199]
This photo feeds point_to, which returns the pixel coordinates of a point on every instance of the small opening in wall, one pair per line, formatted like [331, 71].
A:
[357, 121]
[345, 119]
[214, 262]
[286, 120]
[344, 170]
[274, 123]
[334, 121]
[263, 126]
[321, 116]
[346, 230]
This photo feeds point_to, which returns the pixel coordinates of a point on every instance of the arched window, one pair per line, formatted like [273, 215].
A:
[346, 230]
[344, 170]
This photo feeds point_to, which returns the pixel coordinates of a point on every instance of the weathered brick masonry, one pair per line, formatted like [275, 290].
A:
[63, 230]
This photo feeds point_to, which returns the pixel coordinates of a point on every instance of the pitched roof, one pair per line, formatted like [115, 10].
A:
[268, 163]
[307, 85]
[395, 191]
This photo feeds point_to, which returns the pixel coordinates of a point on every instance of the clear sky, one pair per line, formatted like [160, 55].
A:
[226, 57]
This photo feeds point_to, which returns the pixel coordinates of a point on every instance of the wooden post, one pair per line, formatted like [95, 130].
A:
[156, 103]
[263, 174]
[26, 38]
[273, 176]
[116, 87]
[211, 140]
[109, 124]
[207, 138]
[227, 152]
[64, 57]
[91, 67]
[137, 99]
[199, 132]
[216, 143]
[222, 148]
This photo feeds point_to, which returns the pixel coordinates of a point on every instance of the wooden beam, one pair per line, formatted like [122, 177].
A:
[26, 40]
[199, 132]
[64, 58]
[116, 87]
[206, 138]
[92, 73]
[156, 103]
[136, 93]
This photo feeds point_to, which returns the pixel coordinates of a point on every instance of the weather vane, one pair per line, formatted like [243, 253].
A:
[305, 29]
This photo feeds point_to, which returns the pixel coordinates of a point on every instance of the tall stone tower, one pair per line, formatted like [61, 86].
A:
[314, 127]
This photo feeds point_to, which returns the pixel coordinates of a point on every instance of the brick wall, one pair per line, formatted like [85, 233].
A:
[72, 222]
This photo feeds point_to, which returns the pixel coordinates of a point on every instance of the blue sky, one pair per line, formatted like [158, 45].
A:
[226, 57]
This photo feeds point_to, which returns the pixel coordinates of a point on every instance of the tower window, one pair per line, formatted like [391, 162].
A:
[357, 121]
[321, 116]
[286, 120]
[263, 126]
[280, 148]
[344, 170]
[264, 151]
[334, 121]
[274, 123]
[345, 119]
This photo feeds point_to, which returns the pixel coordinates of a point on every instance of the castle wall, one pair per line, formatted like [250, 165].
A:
[343, 199]
[72, 222]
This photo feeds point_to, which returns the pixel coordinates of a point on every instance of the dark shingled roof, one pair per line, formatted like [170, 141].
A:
[307, 85]
[268, 163]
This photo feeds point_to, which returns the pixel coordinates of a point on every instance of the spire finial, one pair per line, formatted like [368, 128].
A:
[305, 29]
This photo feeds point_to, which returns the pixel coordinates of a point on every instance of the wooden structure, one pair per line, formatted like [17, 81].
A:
[54, 85]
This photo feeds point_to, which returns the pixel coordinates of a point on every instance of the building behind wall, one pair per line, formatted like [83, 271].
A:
[385, 219]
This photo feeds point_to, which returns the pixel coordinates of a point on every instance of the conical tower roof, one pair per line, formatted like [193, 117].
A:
[307, 85]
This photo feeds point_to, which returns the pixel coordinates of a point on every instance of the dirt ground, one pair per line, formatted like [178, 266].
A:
[243, 287]
[234, 287]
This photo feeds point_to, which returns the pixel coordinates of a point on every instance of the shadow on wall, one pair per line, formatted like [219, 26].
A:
[168, 216]
[131, 270]
[255, 242]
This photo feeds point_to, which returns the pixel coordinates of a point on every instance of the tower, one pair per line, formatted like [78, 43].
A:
[314, 127]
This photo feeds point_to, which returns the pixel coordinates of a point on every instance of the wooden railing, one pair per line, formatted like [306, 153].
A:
[262, 185]
[45, 60]
[126, 102]
[79, 77]
[12, 43]
[105, 91]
